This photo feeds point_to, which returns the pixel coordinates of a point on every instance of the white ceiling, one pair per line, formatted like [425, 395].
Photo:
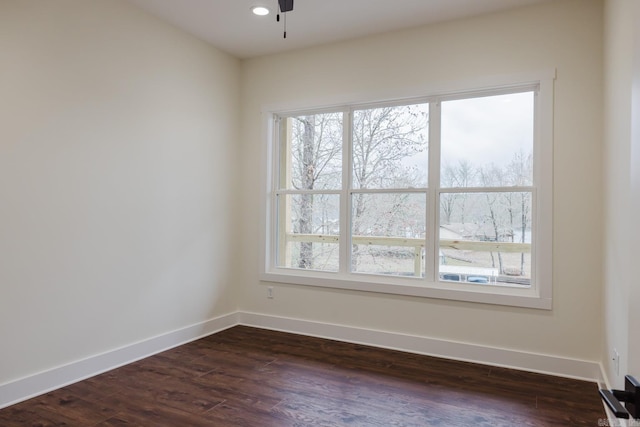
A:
[230, 25]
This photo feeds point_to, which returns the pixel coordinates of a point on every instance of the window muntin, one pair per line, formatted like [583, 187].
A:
[434, 276]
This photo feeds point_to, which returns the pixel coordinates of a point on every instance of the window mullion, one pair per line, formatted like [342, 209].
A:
[433, 194]
[279, 164]
[345, 199]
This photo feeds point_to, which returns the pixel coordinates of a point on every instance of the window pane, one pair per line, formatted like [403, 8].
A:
[390, 147]
[308, 231]
[485, 238]
[311, 152]
[388, 233]
[487, 142]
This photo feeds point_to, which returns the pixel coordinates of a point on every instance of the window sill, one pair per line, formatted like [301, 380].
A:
[486, 294]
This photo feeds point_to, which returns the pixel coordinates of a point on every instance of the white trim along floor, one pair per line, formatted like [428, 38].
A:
[43, 382]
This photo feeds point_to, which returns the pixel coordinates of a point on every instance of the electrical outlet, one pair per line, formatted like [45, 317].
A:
[616, 361]
[270, 292]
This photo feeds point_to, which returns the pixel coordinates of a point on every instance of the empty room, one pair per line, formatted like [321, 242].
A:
[319, 212]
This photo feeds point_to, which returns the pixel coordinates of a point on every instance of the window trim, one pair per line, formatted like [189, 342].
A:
[538, 296]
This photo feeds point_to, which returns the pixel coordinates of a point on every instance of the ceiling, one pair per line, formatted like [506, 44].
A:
[230, 25]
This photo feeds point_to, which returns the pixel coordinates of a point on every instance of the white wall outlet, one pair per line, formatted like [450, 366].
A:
[270, 292]
[615, 358]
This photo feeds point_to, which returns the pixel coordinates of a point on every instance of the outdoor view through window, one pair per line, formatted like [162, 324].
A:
[441, 189]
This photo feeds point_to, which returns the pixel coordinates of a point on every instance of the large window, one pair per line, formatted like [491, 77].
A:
[442, 196]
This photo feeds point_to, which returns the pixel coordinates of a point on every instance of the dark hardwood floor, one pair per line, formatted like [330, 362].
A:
[258, 378]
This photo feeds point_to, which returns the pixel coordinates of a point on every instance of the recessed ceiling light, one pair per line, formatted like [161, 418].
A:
[260, 10]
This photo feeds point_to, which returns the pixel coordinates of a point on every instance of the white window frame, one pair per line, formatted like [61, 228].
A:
[538, 295]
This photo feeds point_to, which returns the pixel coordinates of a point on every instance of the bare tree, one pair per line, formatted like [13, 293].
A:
[383, 138]
[461, 175]
[315, 152]
[520, 172]
[492, 176]
[308, 176]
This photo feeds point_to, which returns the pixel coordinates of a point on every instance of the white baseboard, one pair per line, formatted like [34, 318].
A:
[44, 382]
[40, 383]
[532, 362]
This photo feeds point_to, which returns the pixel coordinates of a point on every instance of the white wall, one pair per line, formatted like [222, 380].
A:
[563, 35]
[117, 160]
[621, 151]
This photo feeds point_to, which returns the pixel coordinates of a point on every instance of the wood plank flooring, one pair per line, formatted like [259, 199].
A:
[257, 378]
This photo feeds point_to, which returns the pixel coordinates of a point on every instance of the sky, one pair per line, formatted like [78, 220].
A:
[482, 131]
[488, 129]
